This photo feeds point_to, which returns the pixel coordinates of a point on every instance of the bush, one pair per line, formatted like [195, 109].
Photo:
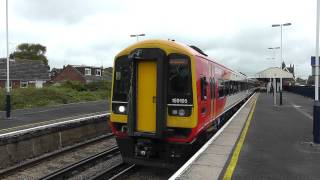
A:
[73, 85]
[68, 92]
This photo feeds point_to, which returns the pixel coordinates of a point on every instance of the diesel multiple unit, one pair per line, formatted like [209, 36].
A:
[167, 97]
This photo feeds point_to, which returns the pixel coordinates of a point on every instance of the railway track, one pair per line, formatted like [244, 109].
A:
[114, 172]
[74, 168]
[35, 161]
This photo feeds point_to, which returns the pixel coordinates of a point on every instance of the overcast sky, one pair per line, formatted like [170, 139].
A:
[234, 33]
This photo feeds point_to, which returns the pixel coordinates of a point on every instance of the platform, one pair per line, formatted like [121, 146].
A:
[27, 118]
[271, 142]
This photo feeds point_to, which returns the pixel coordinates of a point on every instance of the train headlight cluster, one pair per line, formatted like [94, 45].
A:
[119, 108]
[180, 111]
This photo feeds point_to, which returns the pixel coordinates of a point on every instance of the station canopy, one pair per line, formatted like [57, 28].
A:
[274, 72]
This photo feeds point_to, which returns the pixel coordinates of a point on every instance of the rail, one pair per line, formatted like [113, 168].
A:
[50, 155]
[114, 172]
[65, 172]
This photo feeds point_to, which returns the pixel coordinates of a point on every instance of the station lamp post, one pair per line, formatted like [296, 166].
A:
[273, 49]
[316, 105]
[137, 35]
[281, 25]
[8, 102]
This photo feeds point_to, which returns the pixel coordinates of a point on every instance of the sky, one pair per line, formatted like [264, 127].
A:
[232, 32]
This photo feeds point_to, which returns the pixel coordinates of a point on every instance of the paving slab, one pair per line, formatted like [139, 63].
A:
[278, 143]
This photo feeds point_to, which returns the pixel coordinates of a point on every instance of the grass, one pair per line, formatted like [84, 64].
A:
[68, 92]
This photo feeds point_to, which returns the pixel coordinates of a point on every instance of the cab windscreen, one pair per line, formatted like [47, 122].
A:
[179, 79]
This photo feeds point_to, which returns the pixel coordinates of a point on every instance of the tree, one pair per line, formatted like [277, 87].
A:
[30, 52]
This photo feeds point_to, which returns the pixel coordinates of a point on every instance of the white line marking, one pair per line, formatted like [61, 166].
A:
[51, 125]
[301, 111]
[205, 146]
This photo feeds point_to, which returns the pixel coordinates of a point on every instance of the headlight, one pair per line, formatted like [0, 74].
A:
[118, 108]
[122, 109]
[174, 112]
[182, 112]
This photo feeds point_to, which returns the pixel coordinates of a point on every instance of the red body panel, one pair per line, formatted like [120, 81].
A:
[214, 106]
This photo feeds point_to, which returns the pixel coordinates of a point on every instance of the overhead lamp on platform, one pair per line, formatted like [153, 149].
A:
[281, 25]
[137, 35]
[274, 48]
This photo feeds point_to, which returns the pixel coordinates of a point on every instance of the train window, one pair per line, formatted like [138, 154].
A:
[179, 78]
[121, 79]
[203, 86]
[226, 88]
[221, 88]
[232, 87]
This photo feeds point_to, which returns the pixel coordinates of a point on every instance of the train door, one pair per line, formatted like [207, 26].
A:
[212, 90]
[146, 96]
[212, 95]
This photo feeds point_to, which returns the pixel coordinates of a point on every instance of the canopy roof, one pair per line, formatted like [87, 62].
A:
[274, 72]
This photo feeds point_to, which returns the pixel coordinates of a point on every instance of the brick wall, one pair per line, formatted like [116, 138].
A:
[2, 84]
[15, 83]
[68, 73]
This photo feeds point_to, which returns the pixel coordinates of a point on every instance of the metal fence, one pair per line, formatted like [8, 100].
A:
[307, 91]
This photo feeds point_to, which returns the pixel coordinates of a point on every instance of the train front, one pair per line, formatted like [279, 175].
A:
[153, 107]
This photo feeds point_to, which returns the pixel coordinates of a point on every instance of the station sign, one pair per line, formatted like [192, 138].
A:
[313, 64]
[313, 60]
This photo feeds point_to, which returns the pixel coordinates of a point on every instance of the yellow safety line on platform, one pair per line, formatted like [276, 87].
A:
[234, 159]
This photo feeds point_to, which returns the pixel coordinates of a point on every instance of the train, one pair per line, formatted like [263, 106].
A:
[167, 98]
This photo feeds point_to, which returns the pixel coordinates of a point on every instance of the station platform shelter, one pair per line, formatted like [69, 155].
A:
[274, 77]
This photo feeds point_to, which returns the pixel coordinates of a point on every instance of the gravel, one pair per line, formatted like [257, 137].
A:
[48, 166]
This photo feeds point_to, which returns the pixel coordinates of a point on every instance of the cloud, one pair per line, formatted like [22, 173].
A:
[70, 11]
[235, 33]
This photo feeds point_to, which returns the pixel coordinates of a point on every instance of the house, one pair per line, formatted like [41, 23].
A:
[82, 73]
[107, 74]
[24, 73]
[54, 72]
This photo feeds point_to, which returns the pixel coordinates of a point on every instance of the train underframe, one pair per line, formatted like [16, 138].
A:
[155, 152]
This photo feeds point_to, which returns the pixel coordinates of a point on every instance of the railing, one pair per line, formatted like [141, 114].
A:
[307, 91]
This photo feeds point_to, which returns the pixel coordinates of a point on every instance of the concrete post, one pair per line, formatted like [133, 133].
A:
[274, 92]
[280, 91]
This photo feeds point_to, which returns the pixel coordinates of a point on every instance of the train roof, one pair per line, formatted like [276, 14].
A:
[171, 43]
[191, 50]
